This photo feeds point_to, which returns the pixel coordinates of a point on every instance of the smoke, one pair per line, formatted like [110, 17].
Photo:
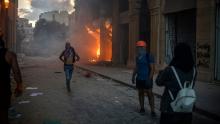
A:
[50, 5]
[33, 8]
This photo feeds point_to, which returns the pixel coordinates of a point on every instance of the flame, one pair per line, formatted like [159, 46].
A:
[96, 35]
[106, 53]
[108, 27]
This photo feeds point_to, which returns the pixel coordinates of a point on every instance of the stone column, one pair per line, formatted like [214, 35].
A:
[155, 25]
[205, 38]
[134, 30]
[115, 33]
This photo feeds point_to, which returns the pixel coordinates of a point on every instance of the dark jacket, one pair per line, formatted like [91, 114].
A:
[167, 79]
[5, 87]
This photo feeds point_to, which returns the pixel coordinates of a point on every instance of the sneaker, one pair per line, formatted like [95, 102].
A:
[153, 114]
[142, 111]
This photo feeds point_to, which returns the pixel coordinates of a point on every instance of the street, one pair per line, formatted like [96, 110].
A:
[93, 100]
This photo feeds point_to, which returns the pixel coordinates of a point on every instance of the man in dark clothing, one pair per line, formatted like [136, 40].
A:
[8, 61]
[143, 76]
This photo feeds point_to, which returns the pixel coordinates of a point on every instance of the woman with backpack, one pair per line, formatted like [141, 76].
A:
[177, 78]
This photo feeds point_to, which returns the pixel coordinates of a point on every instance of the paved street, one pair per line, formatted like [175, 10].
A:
[93, 100]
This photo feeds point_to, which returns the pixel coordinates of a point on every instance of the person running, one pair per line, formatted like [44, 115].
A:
[68, 57]
[184, 66]
[8, 62]
[143, 76]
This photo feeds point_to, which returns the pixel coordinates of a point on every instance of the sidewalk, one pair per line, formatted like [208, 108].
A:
[208, 94]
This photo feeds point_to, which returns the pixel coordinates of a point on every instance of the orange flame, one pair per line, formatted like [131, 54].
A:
[107, 49]
[96, 35]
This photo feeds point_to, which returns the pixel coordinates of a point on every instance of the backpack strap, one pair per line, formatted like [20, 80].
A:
[171, 95]
[178, 80]
[177, 77]
[194, 74]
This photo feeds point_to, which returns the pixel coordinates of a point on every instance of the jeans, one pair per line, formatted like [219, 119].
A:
[68, 71]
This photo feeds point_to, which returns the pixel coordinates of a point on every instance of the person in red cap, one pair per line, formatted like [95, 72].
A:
[143, 76]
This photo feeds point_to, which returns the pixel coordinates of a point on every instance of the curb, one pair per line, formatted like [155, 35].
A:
[197, 110]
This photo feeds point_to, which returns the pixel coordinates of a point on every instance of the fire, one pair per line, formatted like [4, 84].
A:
[96, 35]
[103, 49]
[108, 40]
[98, 52]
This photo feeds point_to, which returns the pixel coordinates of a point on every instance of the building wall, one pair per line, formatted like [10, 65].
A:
[8, 23]
[205, 36]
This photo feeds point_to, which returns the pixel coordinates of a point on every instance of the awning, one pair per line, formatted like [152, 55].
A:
[172, 6]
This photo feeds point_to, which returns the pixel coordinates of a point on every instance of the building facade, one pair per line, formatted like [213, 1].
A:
[195, 22]
[163, 24]
[8, 15]
[24, 27]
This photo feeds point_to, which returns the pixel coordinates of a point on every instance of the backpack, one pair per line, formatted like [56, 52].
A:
[186, 96]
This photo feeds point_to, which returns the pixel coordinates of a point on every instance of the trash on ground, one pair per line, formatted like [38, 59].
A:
[127, 71]
[100, 79]
[87, 74]
[116, 101]
[58, 72]
[31, 88]
[24, 102]
[36, 94]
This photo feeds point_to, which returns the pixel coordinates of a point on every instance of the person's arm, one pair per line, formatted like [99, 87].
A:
[77, 57]
[17, 74]
[163, 77]
[134, 75]
[152, 70]
[61, 56]
[151, 66]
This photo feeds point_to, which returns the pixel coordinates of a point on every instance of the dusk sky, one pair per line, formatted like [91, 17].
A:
[31, 9]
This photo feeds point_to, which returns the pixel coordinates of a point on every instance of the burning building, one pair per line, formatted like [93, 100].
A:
[91, 33]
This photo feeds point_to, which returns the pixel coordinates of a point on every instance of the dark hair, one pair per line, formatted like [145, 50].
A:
[183, 58]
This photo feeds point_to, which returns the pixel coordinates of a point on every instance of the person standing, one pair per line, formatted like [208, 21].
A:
[8, 62]
[143, 76]
[174, 78]
[68, 57]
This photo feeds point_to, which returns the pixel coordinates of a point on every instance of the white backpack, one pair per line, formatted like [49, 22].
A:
[186, 96]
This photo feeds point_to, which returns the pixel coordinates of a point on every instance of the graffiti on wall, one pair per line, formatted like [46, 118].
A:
[203, 55]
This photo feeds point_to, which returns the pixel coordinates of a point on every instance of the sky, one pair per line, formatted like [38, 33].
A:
[31, 9]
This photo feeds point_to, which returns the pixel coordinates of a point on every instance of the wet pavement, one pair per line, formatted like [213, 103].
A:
[93, 100]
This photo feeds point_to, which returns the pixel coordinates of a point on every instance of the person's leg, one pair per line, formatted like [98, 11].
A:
[67, 73]
[151, 99]
[141, 100]
[70, 72]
